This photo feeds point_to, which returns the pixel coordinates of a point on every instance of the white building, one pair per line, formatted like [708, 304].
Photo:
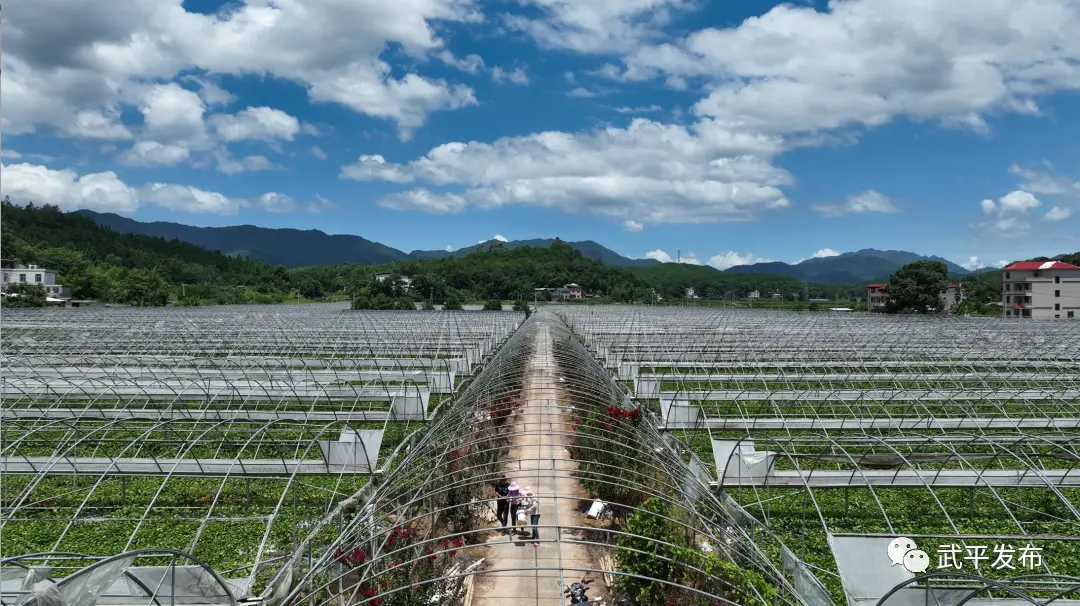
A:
[32, 274]
[690, 294]
[1040, 289]
[405, 281]
[754, 294]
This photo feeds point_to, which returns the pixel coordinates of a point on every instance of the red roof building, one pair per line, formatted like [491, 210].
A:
[1038, 266]
[1040, 289]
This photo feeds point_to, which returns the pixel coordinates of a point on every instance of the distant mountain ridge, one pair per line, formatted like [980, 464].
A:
[303, 248]
[864, 265]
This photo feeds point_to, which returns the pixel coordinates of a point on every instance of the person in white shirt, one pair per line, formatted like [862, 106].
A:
[532, 508]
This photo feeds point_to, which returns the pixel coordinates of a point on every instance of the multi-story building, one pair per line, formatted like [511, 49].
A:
[17, 273]
[877, 298]
[1040, 289]
[568, 291]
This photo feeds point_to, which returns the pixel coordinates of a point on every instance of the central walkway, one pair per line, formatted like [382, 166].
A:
[520, 573]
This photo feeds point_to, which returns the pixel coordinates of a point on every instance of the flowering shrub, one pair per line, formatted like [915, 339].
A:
[409, 569]
[606, 447]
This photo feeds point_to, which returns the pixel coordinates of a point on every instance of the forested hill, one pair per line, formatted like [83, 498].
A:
[98, 263]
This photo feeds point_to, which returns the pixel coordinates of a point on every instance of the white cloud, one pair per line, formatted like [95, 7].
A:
[67, 189]
[10, 154]
[1007, 218]
[868, 201]
[427, 201]
[231, 166]
[664, 257]
[449, 248]
[318, 152]
[1046, 183]
[500, 238]
[865, 62]
[515, 76]
[732, 258]
[581, 92]
[638, 110]
[259, 123]
[648, 173]
[597, 27]
[105, 192]
[824, 252]
[470, 63]
[62, 58]
[282, 203]
[189, 199]
[631, 225]
[153, 153]
[1058, 213]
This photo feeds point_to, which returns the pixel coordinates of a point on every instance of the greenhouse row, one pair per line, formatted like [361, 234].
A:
[322, 456]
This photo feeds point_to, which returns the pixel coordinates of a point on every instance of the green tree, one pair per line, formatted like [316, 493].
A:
[25, 295]
[917, 286]
[493, 305]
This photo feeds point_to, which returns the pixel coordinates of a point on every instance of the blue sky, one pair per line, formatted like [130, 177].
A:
[729, 131]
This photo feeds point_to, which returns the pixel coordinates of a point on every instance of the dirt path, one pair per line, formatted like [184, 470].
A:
[538, 459]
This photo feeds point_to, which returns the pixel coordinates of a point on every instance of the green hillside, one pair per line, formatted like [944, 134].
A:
[98, 263]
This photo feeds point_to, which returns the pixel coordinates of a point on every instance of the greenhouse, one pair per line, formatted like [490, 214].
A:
[314, 455]
[837, 433]
[206, 443]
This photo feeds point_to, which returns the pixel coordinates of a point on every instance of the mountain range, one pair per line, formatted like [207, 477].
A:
[301, 248]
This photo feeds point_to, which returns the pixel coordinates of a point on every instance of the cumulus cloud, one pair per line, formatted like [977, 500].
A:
[1045, 182]
[500, 238]
[820, 254]
[260, 123]
[515, 76]
[318, 152]
[67, 189]
[597, 27]
[10, 154]
[866, 62]
[427, 201]
[866, 202]
[732, 258]
[72, 65]
[581, 92]
[647, 173]
[1058, 213]
[644, 109]
[663, 257]
[106, 192]
[631, 225]
[1008, 216]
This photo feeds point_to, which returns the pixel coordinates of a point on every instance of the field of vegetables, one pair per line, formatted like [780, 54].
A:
[834, 392]
[148, 406]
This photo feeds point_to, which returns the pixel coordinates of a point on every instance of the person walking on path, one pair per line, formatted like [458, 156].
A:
[515, 504]
[502, 503]
[532, 508]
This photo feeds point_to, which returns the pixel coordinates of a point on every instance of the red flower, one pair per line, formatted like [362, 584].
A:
[339, 555]
[453, 552]
[384, 583]
[458, 542]
[370, 592]
[358, 556]
[376, 601]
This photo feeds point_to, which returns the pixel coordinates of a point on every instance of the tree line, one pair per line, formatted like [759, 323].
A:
[97, 263]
